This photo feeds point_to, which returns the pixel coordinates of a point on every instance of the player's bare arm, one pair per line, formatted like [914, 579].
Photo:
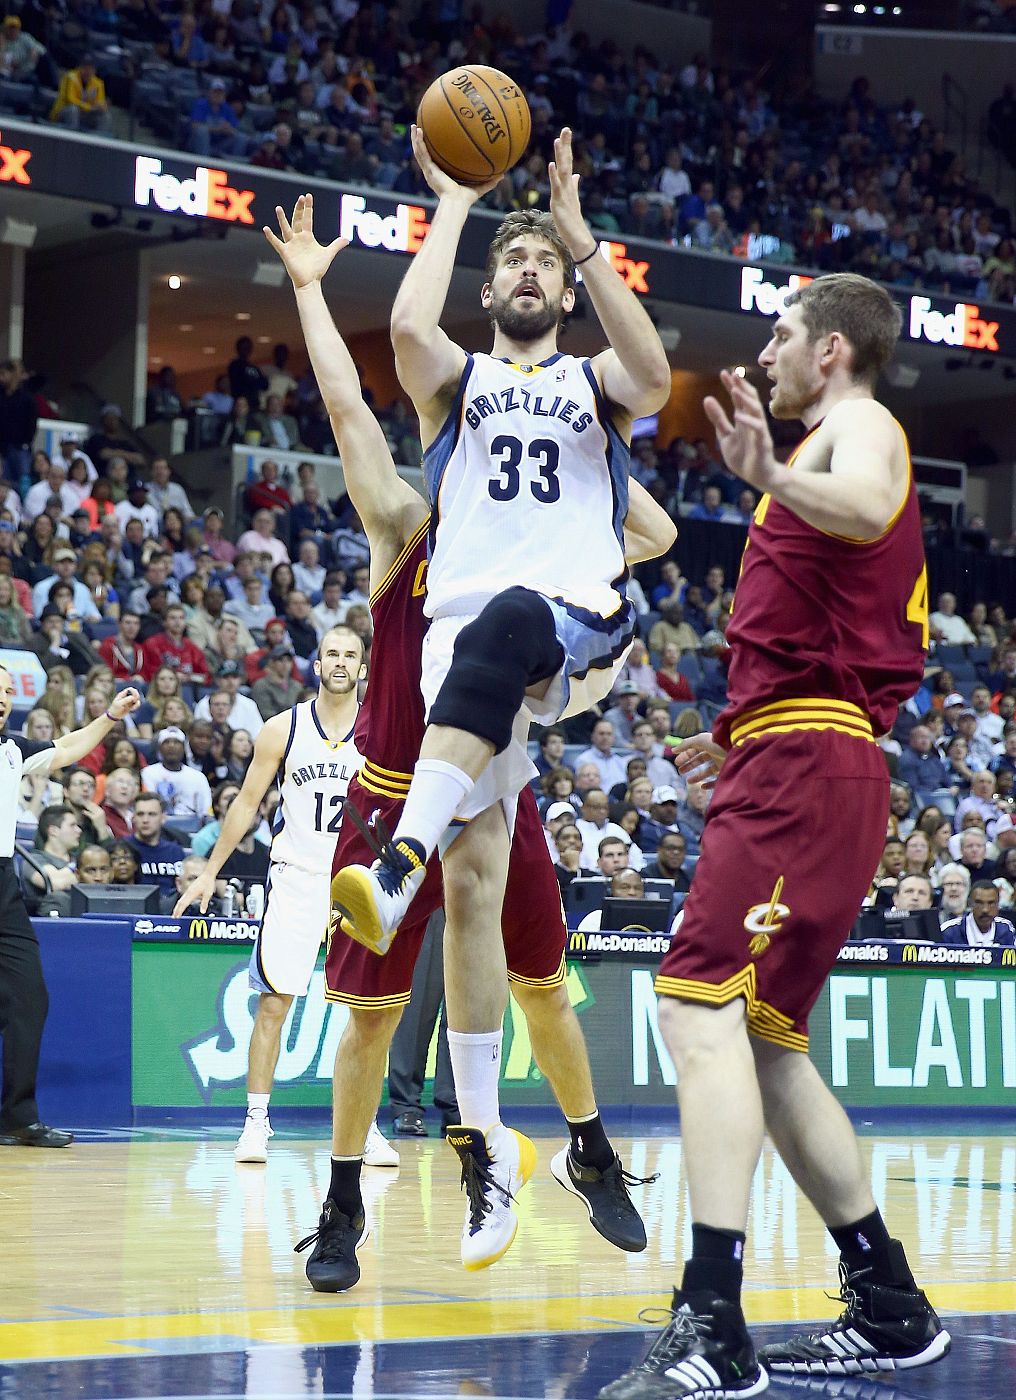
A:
[388, 507]
[634, 373]
[71, 748]
[429, 363]
[851, 484]
[699, 759]
[269, 751]
[648, 529]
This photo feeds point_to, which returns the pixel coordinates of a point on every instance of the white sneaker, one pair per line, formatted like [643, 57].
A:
[377, 1150]
[494, 1169]
[253, 1143]
[373, 902]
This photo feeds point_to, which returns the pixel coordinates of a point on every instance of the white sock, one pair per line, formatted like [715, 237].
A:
[437, 792]
[476, 1066]
[257, 1104]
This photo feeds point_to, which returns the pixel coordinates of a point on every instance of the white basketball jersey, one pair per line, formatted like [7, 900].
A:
[528, 480]
[314, 779]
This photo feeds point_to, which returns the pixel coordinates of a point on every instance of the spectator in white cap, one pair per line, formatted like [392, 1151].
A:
[65, 561]
[184, 790]
[661, 819]
[558, 816]
[609, 761]
[72, 451]
[624, 711]
[138, 507]
[951, 706]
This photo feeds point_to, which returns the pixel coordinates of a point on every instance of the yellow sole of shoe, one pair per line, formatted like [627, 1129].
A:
[352, 896]
[527, 1166]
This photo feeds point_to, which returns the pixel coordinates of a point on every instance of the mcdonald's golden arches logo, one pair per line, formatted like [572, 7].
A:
[577, 941]
[198, 928]
[1009, 957]
[910, 952]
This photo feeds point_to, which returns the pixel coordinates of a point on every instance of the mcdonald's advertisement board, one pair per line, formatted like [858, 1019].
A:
[894, 1025]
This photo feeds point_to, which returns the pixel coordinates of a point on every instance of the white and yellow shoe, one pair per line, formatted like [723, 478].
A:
[253, 1142]
[373, 900]
[495, 1167]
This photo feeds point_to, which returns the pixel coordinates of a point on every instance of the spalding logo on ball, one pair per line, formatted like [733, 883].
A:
[475, 122]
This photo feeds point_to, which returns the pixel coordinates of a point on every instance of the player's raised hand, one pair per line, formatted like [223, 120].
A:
[564, 197]
[699, 759]
[443, 185]
[305, 258]
[124, 703]
[198, 892]
[745, 441]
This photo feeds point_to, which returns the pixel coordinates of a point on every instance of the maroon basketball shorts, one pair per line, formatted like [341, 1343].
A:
[794, 834]
[532, 918]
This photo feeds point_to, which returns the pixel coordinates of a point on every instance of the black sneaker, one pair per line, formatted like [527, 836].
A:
[703, 1353]
[605, 1195]
[332, 1266]
[884, 1327]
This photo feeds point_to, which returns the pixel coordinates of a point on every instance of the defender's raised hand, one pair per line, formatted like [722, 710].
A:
[306, 259]
[745, 442]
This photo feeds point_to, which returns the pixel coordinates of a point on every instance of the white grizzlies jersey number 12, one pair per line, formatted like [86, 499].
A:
[528, 480]
[315, 779]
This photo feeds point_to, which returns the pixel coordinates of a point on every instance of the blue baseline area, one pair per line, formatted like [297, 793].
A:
[572, 1365]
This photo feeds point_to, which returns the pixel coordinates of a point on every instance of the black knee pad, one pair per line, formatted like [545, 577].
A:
[508, 647]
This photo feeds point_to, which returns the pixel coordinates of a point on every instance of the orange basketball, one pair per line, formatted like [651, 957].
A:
[475, 122]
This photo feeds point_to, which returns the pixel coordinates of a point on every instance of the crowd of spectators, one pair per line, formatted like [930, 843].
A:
[690, 154]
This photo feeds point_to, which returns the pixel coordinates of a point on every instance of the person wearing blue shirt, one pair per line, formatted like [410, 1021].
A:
[213, 124]
[64, 563]
[919, 765]
[982, 927]
[159, 859]
[710, 507]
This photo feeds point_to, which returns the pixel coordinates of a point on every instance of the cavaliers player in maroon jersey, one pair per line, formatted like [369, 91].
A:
[388, 732]
[827, 639]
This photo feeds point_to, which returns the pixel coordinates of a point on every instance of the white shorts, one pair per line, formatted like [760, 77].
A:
[292, 929]
[588, 674]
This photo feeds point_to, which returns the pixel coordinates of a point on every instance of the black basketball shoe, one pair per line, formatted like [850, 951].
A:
[332, 1266]
[605, 1196]
[703, 1353]
[884, 1327]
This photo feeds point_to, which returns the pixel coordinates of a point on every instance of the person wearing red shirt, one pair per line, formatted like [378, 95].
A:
[669, 678]
[172, 647]
[123, 653]
[276, 635]
[267, 494]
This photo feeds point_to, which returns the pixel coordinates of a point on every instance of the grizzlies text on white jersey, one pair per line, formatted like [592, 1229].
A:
[314, 778]
[528, 480]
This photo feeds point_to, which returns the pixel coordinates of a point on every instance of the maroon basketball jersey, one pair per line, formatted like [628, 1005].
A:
[821, 616]
[389, 728]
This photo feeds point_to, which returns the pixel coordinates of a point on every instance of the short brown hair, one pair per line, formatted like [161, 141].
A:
[860, 310]
[532, 221]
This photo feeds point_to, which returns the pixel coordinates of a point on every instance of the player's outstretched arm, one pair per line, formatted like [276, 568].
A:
[269, 751]
[71, 748]
[387, 505]
[854, 498]
[648, 529]
[634, 373]
[428, 361]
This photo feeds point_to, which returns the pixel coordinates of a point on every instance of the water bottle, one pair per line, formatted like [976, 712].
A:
[229, 901]
[255, 901]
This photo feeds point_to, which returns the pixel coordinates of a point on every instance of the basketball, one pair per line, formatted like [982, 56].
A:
[475, 122]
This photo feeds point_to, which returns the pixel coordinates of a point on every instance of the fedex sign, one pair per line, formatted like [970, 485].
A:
[961, 326]
[14, 166]
[769, 298]
[206, 195]
[401, 232]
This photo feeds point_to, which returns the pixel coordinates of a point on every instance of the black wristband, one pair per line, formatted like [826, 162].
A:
[596, 249]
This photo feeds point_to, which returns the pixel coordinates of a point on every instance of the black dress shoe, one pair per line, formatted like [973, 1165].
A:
[409, 1124]
[35, 1135]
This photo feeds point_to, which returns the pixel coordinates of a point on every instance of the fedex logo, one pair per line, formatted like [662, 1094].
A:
[635, 274]
[767, 297]
[207, 195]
[14, 166]
[401, 232]
[961, 326]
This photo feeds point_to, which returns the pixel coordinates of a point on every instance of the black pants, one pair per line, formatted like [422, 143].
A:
[407, 1060]
[23, 1004]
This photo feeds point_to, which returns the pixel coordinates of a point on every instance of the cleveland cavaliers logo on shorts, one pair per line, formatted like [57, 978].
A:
[764, 920]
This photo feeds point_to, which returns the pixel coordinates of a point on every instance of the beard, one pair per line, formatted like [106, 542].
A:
[513, 321]
[341, 683]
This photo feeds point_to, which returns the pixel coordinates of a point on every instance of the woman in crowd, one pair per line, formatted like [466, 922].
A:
[118, 473]
[941, 686]
[203, 840]
[59, 699]
[669, 679]
[15, 627]
[96, 578]
[121, 754]
[241, 425]
[173, 539]
[640, 796]
[626, 816]
[557, 785]
[38, 547]
[981, 627]
[239, 750]
[77, 480]
[281, 585]
[172, 711]
[639, 671]
[918, 857]
[38, 790]
[939, 839]
[192, 595]
[959, 774]
[124, 864]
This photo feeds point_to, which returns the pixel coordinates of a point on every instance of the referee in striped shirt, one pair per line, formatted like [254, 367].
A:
[23, 998]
